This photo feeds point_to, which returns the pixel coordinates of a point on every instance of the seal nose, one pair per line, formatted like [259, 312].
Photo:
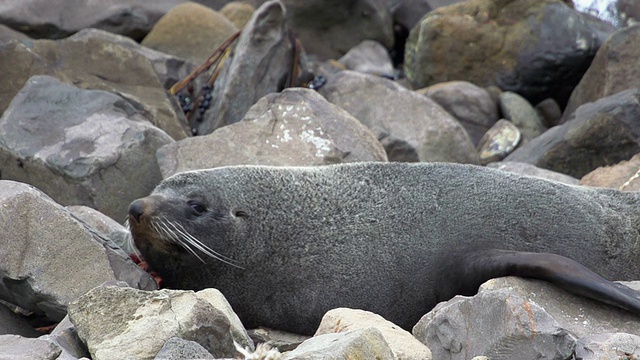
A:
[136, 209]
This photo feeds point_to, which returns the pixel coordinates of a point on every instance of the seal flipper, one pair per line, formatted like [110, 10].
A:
[478, 267]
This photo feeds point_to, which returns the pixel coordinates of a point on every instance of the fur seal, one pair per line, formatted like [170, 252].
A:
[286, 244]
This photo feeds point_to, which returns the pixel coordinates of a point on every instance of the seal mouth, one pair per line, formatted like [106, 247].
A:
[173, 232]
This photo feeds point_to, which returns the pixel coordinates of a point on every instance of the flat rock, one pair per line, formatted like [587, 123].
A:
[13, 324]
[608, 346]
[294, 127]
[81, 147]
[601, 133]
[37, 274]
[105, 226]
[410, 126]
[91, 62]
[177, 349]
[16, 347]
[538, 49]
[190, 31]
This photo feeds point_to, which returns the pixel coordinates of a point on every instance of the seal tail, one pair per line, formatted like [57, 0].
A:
[556, 269]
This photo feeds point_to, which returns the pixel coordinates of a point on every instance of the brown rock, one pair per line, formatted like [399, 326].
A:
[238, 12]
[624, 176]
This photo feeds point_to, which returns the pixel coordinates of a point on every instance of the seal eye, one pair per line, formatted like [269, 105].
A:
[197, 207]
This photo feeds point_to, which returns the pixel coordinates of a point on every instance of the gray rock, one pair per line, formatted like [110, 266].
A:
[61, 18]
[369, 57]
[105, 226]
[403, 345]
[499, 141]
[91, 62]
[169, 68]
[179, 349]
[294, 127]
[472, 105]
[604, 132]
[538, 49]
[238, 12]
[13, 324]
[16, 347]
[411, 127]
[37, 272]
[356, 344]
[531, 170]
[409, 13]
[611, 71]
[329, 30]
[608, 346]
[549, 112]
[7, 34]
[259, 65]
[518, 110]
[190, 31]
[66, 337]
[121, 322]
[84, 147]
[520, 318]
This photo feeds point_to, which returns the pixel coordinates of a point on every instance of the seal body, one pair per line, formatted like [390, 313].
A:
[285, 245]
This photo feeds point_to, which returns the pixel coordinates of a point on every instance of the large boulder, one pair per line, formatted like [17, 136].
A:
[538, 49]
[81, 147]
[91, 62]
[411, 126]
[613, 69]
[296, 127]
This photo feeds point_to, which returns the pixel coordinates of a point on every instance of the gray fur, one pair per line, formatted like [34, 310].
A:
[374, 236]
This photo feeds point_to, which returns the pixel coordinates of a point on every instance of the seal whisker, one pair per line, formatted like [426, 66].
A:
[162, 228]
[186, 237]
[129, 239]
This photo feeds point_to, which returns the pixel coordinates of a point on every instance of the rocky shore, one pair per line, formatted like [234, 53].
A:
[92, 119]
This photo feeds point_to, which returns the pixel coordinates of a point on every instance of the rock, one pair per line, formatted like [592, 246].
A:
[409, 13]
[538, 49]
[627, 12]
[66, 337]
[60, 18]
[531, 170]
[520, 318]
[177, 349]
[190, 31]
[13, 324]
[403, 345]
[169, 68]
[624, 176]
[356, 344]
[105, 226]
[7, 34]
[16, 347]
[470, 104]
[238, 12]
[127, 323]
[549, 112]
[276, 339]
[611, 71]
[37, 273]
[91, 62]
[259, 65]
[600, 133]
[499, 142]
[517, 109]
[411, 127]
[608, 346]
[329, 31]
[296, 127]
[85, 147]
[369, 57]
